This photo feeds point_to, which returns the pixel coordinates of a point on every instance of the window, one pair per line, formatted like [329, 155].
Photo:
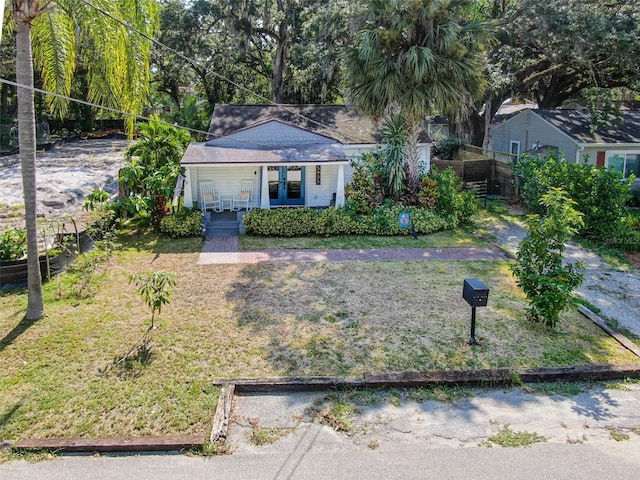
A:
[624, 163]
[514, 148]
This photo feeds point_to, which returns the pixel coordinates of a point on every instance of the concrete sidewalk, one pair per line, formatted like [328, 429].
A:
[596, 415]
[224, 250]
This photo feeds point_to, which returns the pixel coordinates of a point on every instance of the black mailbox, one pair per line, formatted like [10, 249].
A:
[475, 292]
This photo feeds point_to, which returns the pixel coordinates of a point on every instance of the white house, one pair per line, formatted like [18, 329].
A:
[291, 154]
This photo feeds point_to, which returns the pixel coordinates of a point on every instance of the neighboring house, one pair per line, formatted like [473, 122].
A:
[569, 132]
[293, 154]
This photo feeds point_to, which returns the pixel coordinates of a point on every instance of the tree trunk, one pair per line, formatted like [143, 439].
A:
[279, 64]
[27, 142]
[413, 170]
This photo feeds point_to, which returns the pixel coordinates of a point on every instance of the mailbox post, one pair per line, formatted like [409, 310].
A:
[476, 293]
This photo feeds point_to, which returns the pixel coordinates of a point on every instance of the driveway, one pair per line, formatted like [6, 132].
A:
[616, 293]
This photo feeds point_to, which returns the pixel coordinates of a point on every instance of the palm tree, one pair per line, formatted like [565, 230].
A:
[415, 58]
[65, 33]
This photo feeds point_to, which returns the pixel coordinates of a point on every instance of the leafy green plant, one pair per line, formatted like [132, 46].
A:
[13, 245]
[446, 147]
[600, 194]
[395, 132]
[96, 199]
[459, 206]
[154, 288]
[382, 220]
[152, 167]
[547, 282]
[185, 223]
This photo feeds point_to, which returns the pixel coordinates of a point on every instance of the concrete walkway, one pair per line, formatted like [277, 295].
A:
[224, 250]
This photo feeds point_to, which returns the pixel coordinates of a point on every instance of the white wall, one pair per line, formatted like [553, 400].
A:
[226, 180]
[320, 195]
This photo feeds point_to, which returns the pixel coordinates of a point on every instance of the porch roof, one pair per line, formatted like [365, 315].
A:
[202, 154]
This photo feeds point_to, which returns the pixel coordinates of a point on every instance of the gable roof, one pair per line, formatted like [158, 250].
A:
[338, 122]
[272, 142]
[268, 135]
[577, 125]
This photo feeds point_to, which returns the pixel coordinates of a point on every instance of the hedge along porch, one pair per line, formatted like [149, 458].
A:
[292, 154]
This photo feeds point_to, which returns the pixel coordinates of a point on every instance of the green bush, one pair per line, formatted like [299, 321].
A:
[600, 194]
[445, 147]
[453, 203]
[280, 222]
[545, 278]
[13, 245]
[383, 220]
[185, 223]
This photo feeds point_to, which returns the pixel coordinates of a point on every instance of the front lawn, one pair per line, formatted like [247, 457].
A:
[447, 238]
[254, 320]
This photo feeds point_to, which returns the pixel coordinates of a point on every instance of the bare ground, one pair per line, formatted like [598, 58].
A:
[66, 174]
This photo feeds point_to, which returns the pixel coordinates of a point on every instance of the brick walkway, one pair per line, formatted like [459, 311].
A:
[221, 250]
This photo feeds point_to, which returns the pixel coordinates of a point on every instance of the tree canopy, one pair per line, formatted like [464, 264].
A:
[415, 58]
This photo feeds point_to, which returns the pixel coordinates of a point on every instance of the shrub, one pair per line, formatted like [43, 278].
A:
[445, 147]
[13, 245]
[452, 202]
[185, 223]
[341, 221]
[547, 282]
[600, 194]
[281, 222]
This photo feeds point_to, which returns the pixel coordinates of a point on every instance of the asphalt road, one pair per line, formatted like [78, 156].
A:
[619, 460]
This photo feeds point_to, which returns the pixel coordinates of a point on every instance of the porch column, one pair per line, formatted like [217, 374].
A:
[340, 187]
[188, 195]
[264, 188]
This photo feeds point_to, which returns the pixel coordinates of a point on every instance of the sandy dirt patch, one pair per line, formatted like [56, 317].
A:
[66, 174]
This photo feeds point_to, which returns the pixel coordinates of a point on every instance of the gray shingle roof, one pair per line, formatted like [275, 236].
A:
[338, 122]
[271, 142]
[577, 124]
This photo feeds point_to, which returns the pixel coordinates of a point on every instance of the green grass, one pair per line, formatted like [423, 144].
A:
[250, 321]
[512, 439]
[454, 238]
[560, 387]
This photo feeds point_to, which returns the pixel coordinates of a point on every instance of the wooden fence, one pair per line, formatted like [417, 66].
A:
[476, 164]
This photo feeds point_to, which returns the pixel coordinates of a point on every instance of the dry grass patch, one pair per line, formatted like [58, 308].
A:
[255, 320]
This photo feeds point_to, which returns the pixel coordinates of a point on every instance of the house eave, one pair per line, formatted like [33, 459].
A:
[609, 145]
[267, 164]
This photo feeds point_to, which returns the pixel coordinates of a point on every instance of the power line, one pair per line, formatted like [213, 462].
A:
[139, 117]
[216, 74]
[95, 105]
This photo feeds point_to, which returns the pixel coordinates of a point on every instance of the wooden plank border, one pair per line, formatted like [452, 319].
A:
[220, 427]
[622, 340]
[114, 444]
[498, 376]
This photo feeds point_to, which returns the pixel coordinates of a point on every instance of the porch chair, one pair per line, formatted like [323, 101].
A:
[243, 199]
[208, 197]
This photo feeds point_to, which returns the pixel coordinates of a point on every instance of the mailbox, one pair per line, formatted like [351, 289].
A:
[475, 292]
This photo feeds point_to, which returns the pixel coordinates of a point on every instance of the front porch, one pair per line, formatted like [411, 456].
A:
[287, 184]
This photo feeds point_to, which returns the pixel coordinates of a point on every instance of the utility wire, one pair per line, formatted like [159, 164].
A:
[129, 114]
[89, 104]
[216, 74]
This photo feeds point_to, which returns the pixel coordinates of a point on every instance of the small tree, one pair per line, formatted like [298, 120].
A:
[152, 166]
[154, 290]
[548, 282]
